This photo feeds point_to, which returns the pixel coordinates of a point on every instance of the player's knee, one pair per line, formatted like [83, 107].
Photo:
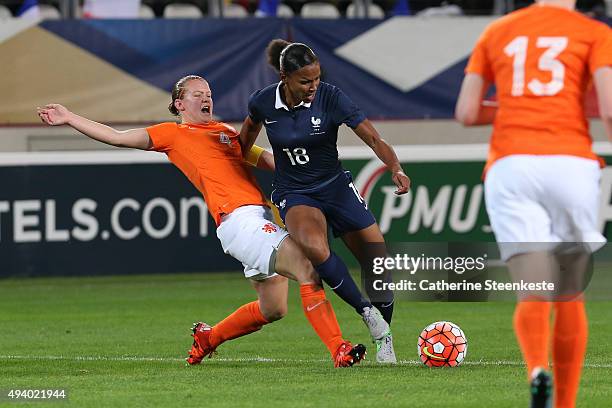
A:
[317, 250]
[305, 272]
[275, 313]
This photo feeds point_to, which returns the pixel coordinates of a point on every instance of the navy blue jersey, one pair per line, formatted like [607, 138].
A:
[304, 138]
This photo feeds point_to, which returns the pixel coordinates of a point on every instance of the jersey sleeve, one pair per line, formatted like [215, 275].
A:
[162, 136]
[479, 62]
[601, 51]
[345, 111]
[254, 112]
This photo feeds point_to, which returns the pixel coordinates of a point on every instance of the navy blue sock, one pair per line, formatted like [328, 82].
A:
[386, 309]
[382, 300]
[335, 273]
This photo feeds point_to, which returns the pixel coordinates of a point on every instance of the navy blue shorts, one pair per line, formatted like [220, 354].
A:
[343, 207]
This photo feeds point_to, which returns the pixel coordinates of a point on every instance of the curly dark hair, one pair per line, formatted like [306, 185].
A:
[178, 90]
[288, 57]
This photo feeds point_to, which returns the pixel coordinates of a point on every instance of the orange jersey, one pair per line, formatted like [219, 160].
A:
[211, 157]
[541, 59]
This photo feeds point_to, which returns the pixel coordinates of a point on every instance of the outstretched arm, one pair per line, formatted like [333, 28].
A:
[55, 115]
[366, 132]
[472, 109]
[603, 85]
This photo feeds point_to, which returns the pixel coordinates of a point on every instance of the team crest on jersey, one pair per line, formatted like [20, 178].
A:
[316, 126]
[223, 138]
[269, 228]
[283, 203]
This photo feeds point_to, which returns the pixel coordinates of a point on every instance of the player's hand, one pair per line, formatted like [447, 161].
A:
[53, 114]
[402, 181]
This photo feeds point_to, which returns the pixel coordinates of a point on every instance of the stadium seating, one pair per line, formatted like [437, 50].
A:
[447, 10]
[234, 11]
[319, 10]
[145, 12]
[5, 13]
[284, 11]
[355, 11]
[182, 10]
[48, 12]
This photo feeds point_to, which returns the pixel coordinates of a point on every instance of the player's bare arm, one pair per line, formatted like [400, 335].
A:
[55, 115]
[603, 85]
[266, 161]
[366, 132]
[260, 158]
[472, 109]
[248, 134]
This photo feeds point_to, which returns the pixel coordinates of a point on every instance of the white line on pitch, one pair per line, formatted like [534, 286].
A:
[255, 359]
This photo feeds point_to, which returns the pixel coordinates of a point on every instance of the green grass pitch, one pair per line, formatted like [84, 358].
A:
[121, 342]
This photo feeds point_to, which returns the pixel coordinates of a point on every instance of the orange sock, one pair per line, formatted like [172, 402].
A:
[569, 347]
[246, 319]
[532, 328]
[321, 316]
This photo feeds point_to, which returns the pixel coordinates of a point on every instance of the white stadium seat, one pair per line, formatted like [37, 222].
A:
[5, 13]
[145, 12]
[319, 10]
[48, 12]
[374, 11]
[284, 11]
[182, 10]
[442, 11]
[234, 11]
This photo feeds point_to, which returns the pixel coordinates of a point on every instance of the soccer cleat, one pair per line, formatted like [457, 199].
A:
[541, 390]
[381, 335]
[384, 349]
[376, 323]
[347, 355]
[201, 344]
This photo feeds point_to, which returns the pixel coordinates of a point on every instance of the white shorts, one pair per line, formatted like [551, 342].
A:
[534, 202]
[250, 235]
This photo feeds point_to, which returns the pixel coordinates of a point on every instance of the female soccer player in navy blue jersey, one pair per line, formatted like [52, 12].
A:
[311, 189]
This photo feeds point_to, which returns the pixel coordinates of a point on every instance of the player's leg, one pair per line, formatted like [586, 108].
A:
[569, 347]
[263, 247]
[574, 213]
[349, 217]
[250, 238]
[532, 312]
[522, 228]
[366, 244]
[532, 324]
[248, 318]
[308, 228]
[272, 297]
[291, 262]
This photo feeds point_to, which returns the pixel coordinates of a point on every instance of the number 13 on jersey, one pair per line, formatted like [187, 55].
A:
[517, 48]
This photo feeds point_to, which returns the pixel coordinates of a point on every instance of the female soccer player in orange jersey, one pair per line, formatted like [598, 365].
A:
[542, 177]
[210, 155]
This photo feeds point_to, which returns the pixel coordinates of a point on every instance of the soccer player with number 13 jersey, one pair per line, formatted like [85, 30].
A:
[541, 176]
